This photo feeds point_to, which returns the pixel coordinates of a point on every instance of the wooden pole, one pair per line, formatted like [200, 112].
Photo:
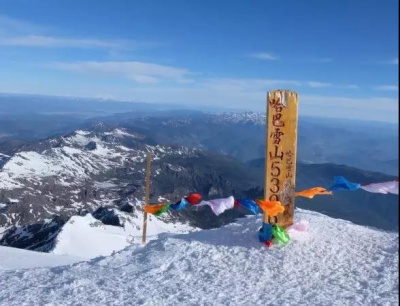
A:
[146, 196]
[280, 153]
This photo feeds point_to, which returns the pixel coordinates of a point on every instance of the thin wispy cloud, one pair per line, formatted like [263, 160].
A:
[138, 72]
[48, 41]
[12, 26]
[349, 86]
[264, 56]
[230, 84]
[372, 103]
[393, 61]
[387, 87]
[320, 60]
[314, 84]
[235, 85]
[18, 33]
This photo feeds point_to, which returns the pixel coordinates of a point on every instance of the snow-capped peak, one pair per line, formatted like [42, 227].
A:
[334, 263]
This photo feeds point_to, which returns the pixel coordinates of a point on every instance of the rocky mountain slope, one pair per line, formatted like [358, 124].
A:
[45, 183]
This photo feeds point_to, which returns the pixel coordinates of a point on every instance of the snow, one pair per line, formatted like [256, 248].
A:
[333, 263]
[73, 162]
[121, 133]
[12, 259]
[13, 200]
[83, 133]
[105, 185]
[87, 237]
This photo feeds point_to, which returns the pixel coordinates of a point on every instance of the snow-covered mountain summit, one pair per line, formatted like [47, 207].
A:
[333, 263]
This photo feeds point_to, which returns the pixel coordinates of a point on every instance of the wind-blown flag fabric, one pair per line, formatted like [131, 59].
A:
[270, 208]
[218, 206]
[385, 187]
[340, 183]
[310, 193]
[162, 210]
[250, 205]
[194, 198]
[153, 209]
[180, 205]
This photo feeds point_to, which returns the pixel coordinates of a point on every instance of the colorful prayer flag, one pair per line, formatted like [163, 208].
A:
[270, 208]
[385, 187]
[340, 183]
[218, 206]
[180, 205]
[156, 209]
[250, 205]
[310, 193]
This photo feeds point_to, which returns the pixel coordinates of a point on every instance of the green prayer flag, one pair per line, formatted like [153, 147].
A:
[162, 210]
[280, 234]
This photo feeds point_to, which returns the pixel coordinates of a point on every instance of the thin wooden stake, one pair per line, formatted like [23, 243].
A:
[147, 196]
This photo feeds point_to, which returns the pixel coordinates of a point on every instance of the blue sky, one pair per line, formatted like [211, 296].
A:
[340, 56]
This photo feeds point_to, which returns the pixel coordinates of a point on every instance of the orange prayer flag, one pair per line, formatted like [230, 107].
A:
[152, 209]
[271, 208]
[310, 193]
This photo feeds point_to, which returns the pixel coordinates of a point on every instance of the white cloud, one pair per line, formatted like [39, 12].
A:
[136, 71]
[48, 41]
[350, 86]
[235, 85]
[372, 108]
[18, 33]
[264, 56]
[372, 103]
[388, 87]
[12, 26]
[393, 61]
[314, 84]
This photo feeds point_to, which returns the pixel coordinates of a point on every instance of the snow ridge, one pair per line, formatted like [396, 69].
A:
[335, 263]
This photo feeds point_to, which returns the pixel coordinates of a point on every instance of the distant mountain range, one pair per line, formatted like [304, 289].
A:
[369, 146]
[366, 145]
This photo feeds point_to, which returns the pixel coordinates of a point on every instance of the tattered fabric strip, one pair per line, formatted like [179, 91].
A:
[340, 183]
[385, 187]
[180, 205]
[270, 208]
[154, 208]
[218, 206]
[250, 205]
[310, 193]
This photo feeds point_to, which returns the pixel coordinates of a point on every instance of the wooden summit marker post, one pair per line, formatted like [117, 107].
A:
[280, 153]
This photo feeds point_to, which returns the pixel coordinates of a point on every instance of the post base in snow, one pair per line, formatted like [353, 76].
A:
[286, 225]
[285, 219]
